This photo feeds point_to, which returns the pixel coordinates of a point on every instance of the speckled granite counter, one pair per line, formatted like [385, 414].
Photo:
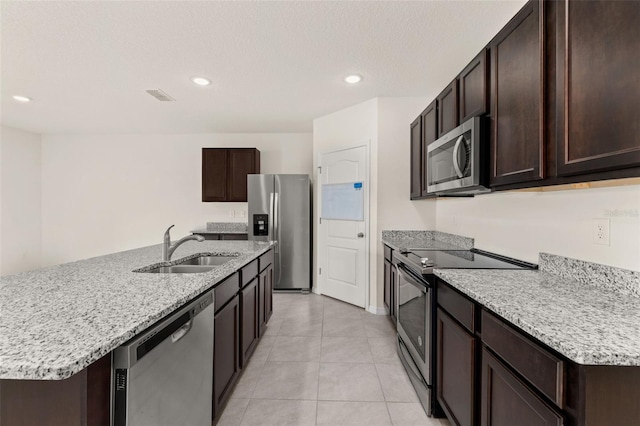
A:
[588, 323]
[435, 240]
[57, 320]
[223, 228]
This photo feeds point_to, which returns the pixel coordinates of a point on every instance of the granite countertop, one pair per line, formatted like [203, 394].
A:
[223, 228]
[55, 321]
[432, 240]
[588, 324]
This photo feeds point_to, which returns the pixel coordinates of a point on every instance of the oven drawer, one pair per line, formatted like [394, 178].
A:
[457, 305]
[541, 368]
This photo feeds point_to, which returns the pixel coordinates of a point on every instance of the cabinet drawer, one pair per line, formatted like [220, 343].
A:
[458, 306]
[249, 272]
[265, 260]
[387, 252]
[506, 400]
[544, 370]
[225, 291]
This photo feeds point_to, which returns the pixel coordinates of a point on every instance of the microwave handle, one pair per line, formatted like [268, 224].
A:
[456, 148]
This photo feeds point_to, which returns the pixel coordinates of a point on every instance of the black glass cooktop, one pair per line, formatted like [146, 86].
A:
[426, 260]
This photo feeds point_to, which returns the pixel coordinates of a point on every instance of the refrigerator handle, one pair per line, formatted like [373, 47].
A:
[271, 217]
[276, 220]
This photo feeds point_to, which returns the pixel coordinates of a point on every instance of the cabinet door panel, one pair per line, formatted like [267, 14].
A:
[214, 174]
[448, 108]
[456, 370]
[241, 163]
[249, 308]
[429, 134]
[517, 101]
[387, 286]
[416, 158]
[269, 294]
[394, 293]
[226, 352]
[473, 88]
[506, 401]
[265, 298]
[598, 79]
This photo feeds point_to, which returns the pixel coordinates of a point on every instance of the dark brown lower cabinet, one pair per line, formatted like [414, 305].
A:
[268, 302]
[394, 292]
[249, 308]
[82, 399]
[456, 372]
[387, 287]
[389, 281]
[507, 401]
[226, 353]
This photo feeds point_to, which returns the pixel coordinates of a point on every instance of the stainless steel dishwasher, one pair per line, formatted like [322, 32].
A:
[164, 375]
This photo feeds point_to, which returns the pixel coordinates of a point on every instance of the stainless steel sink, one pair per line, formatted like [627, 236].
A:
[208, 260]
[193, 266]
[181, 269]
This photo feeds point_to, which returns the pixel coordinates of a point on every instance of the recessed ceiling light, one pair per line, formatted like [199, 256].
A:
[353, 79]
[201, 81]
[21, 98]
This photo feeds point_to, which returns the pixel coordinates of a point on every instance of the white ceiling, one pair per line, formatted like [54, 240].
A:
[275, 66]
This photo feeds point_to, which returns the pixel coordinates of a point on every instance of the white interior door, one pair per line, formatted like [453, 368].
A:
[342, 251]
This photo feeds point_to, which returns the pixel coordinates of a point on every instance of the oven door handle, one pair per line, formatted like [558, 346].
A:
[405, 275]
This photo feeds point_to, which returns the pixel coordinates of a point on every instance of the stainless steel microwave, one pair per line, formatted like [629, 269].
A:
[457, 162]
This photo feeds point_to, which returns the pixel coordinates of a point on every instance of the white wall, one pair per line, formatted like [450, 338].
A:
[384, 122]
[20, 193]
[522, 224]
[107, 193]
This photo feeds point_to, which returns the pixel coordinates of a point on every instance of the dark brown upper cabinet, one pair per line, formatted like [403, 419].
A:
[448, 108]
[225, 170]
[416, 158]
[429, 134]
[517, 98]
[598, 86]
[424, 130]
[474, 87]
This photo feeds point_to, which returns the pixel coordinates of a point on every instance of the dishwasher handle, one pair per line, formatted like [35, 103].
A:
[182, 331]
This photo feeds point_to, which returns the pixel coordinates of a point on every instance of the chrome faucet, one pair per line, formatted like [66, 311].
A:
[168, 248]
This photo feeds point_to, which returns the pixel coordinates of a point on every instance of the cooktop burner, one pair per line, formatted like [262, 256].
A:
[423, 261]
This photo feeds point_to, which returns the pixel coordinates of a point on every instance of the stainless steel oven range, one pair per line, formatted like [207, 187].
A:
[416, 309]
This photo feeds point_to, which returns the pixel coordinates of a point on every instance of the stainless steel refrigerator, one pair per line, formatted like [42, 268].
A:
[280, 210]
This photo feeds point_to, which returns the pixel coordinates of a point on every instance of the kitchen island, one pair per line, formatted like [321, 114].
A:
[59, 324]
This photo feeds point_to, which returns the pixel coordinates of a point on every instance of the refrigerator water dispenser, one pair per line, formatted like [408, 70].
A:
[260, 224]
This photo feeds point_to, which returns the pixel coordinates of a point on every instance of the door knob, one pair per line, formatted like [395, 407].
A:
[360, 234]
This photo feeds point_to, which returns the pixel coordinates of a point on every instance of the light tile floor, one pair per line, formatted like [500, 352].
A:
[324, 362]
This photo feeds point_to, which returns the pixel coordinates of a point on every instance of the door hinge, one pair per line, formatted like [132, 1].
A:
[319, 271]
[320, 221]
[320, 169]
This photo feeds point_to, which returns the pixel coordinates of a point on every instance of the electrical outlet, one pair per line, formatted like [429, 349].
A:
[243, 213]
[601, 231]
[232, 213]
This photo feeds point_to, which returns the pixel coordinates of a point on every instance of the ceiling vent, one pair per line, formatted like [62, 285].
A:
[160, 95]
